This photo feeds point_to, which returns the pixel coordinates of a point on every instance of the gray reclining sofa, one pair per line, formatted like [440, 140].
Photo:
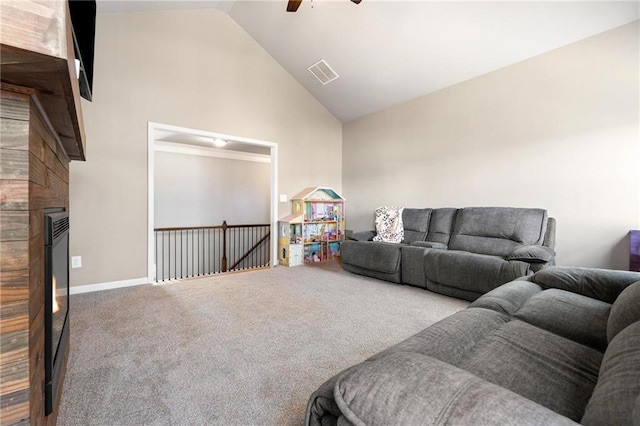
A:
[462, 253]
[559, 347]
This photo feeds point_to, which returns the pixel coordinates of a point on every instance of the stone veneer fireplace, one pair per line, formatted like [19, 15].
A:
[35, 177]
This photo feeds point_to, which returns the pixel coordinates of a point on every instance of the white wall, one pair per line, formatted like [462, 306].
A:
[559, 131]
[192, 190]
[195, 69]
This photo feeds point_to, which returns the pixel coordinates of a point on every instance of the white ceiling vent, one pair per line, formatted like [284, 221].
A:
[323, 72]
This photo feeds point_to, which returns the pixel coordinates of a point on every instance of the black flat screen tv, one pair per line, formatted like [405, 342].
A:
[83, 20]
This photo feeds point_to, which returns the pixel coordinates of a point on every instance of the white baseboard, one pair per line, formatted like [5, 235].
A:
[107, 286]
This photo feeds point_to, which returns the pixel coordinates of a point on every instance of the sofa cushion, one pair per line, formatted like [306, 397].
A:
[407, 388]
[416, 224]
[497, 230]
[532, 254]
[624, 311]
[601, 284]
[553, 371]
[508, 298]
[441, 225]
[452, 338]
[616, 397]
[469, 271]
[576, 317]
[376, 256]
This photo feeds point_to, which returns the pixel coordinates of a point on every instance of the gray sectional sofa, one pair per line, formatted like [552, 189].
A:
[555, 348]
[462, 253]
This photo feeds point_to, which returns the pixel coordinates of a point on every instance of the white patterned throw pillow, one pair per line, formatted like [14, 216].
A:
[389, 226]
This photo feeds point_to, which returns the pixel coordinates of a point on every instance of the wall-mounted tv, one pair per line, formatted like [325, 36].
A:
[83, 20]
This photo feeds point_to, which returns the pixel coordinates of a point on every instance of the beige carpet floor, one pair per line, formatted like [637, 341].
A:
[238, 349]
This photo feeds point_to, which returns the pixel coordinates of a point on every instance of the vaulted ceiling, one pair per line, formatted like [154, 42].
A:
[388, 52]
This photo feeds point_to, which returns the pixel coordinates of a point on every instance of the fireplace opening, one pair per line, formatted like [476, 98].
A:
[56, 303]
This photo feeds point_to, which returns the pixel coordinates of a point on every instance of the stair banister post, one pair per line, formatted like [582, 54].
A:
[224, 246]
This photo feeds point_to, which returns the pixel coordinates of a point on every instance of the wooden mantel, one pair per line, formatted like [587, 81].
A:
[37, 51]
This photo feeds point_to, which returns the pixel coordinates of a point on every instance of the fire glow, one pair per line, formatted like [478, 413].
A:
[54, 300]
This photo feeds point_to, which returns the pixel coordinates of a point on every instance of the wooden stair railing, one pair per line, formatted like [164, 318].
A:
[183, 252]
[255, 246]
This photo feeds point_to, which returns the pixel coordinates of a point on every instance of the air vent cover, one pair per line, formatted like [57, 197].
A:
[323, 72]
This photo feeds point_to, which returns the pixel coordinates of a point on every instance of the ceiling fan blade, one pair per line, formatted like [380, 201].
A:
[293, 5]
[356, 1]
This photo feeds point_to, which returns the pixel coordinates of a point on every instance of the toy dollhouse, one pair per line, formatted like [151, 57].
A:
[313, 231]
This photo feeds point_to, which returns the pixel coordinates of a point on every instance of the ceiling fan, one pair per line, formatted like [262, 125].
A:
[293, 5]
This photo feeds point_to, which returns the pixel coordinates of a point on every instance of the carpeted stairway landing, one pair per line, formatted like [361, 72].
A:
[238, 349]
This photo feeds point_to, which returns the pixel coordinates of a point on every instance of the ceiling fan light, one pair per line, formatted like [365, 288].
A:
[293, 5]
[219, 142]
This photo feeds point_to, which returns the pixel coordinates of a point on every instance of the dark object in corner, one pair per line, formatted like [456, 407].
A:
[634, 250]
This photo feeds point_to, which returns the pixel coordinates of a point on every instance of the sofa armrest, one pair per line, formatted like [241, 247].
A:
[601, 284]
[362, 236]
[429, 244]
[533, 254]
[321, 408]
[550, 234]
[412, 388]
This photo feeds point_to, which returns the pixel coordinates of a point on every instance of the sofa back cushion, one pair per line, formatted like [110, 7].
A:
[624, 311]
[416, 224]
[601, 284]
[441, 225]
[576, 317]
[616, 397]
[497, 231]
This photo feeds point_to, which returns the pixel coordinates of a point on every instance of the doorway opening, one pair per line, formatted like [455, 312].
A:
[165, 139]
